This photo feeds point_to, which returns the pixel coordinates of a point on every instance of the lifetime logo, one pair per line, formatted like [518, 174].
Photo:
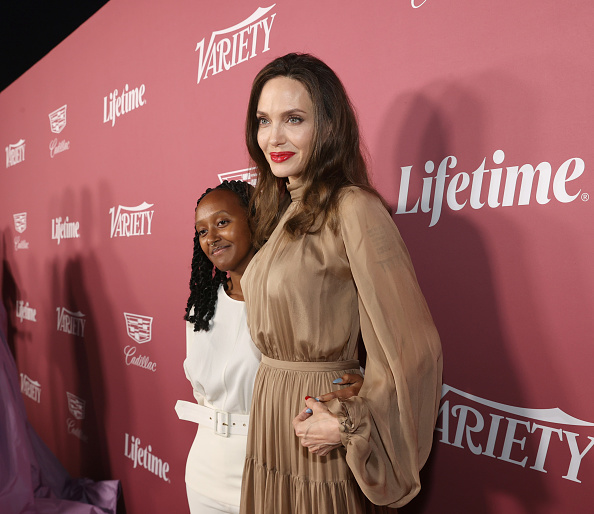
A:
[65, 229]
[483, 435]
[435, 186]
[23, 311]
[241, 43]
[131, 221]
[129, 100]
[143, 457]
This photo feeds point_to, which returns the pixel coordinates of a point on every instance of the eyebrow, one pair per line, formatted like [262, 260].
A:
[286, 113]
[222, 211]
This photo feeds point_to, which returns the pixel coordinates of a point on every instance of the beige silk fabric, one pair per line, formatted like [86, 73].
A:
[307, 299]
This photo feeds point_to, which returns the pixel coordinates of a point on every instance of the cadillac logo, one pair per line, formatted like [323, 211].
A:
[58, 120]
[139, 327]
[76, 406]
[20, 222]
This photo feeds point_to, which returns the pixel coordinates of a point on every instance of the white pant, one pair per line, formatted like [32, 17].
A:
[214, 470]
[200, 504]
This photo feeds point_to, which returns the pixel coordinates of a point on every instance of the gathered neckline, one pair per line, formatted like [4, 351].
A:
[295, 188]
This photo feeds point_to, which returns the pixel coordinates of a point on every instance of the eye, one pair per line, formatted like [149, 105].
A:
[262, 122]
[295, 120]
[202, 232]
[222, 223]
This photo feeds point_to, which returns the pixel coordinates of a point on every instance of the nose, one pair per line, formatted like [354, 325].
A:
[277, 135]
[212, 236]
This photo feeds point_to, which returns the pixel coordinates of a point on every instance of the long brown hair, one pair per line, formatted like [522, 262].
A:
[336, 159]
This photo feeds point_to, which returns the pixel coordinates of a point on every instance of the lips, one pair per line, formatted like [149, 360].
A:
[281, 156]
[218, 249]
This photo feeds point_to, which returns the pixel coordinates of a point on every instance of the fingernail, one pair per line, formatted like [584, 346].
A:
[337, 381]
[317, 399]
[307, 397]
[309, 411]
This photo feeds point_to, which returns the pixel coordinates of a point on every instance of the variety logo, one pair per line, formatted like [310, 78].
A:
[456, 198]
[138, 327]
[15, 153]
[65, 230]
[492, 429]
[71, 322]
[143, 457]
[247, 175]
[417, 3]
[129, 100]
[234, 45]
[131, 221]
[20, 222]
[58, 120]
[23, 311]
[76, 406]
[30, 388]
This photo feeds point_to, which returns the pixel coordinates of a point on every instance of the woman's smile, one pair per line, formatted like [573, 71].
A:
[217, 250]
[281, 156]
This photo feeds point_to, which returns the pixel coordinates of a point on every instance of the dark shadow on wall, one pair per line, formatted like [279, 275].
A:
[10, 292]
[93, 364]
[453, 265]
[89, 368]
[19, 335]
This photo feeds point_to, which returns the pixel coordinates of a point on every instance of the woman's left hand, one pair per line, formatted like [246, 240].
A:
[318, 430]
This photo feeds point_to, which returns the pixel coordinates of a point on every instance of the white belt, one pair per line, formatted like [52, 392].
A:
[222, 422]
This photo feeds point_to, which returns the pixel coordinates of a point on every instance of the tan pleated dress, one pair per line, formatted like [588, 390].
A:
[307, 299]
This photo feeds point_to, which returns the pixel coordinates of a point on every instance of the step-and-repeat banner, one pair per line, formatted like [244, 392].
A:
[478, 121]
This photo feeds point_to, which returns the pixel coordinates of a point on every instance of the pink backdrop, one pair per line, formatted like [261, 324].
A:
[459, 103]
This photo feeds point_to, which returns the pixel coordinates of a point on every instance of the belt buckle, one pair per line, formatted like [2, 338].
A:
[222, 417]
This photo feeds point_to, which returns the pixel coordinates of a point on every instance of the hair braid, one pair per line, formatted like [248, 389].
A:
[205, 278]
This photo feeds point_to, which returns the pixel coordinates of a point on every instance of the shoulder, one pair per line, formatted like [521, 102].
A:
[355, 202]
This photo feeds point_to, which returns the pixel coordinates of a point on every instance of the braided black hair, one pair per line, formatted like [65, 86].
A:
[206, 278]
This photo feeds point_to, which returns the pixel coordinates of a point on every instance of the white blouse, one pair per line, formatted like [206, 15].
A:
[221, 365]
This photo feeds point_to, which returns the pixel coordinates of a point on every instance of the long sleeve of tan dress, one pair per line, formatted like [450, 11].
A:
[307, 300]
[387, 430]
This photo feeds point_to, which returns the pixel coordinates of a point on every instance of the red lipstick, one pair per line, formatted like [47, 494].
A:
[281, 156]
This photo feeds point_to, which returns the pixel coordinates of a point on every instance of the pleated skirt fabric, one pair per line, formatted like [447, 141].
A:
[280, 476]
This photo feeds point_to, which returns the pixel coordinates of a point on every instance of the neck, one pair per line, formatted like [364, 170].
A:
[234, 286]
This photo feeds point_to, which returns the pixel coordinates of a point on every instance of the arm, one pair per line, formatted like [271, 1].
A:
[388, 429]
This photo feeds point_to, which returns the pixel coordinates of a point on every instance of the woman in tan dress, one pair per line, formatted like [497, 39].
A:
[333, 268]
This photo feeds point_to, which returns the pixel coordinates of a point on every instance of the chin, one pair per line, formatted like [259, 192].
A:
[283, 173]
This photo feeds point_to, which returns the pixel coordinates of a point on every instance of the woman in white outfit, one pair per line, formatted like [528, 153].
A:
[222, 360]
